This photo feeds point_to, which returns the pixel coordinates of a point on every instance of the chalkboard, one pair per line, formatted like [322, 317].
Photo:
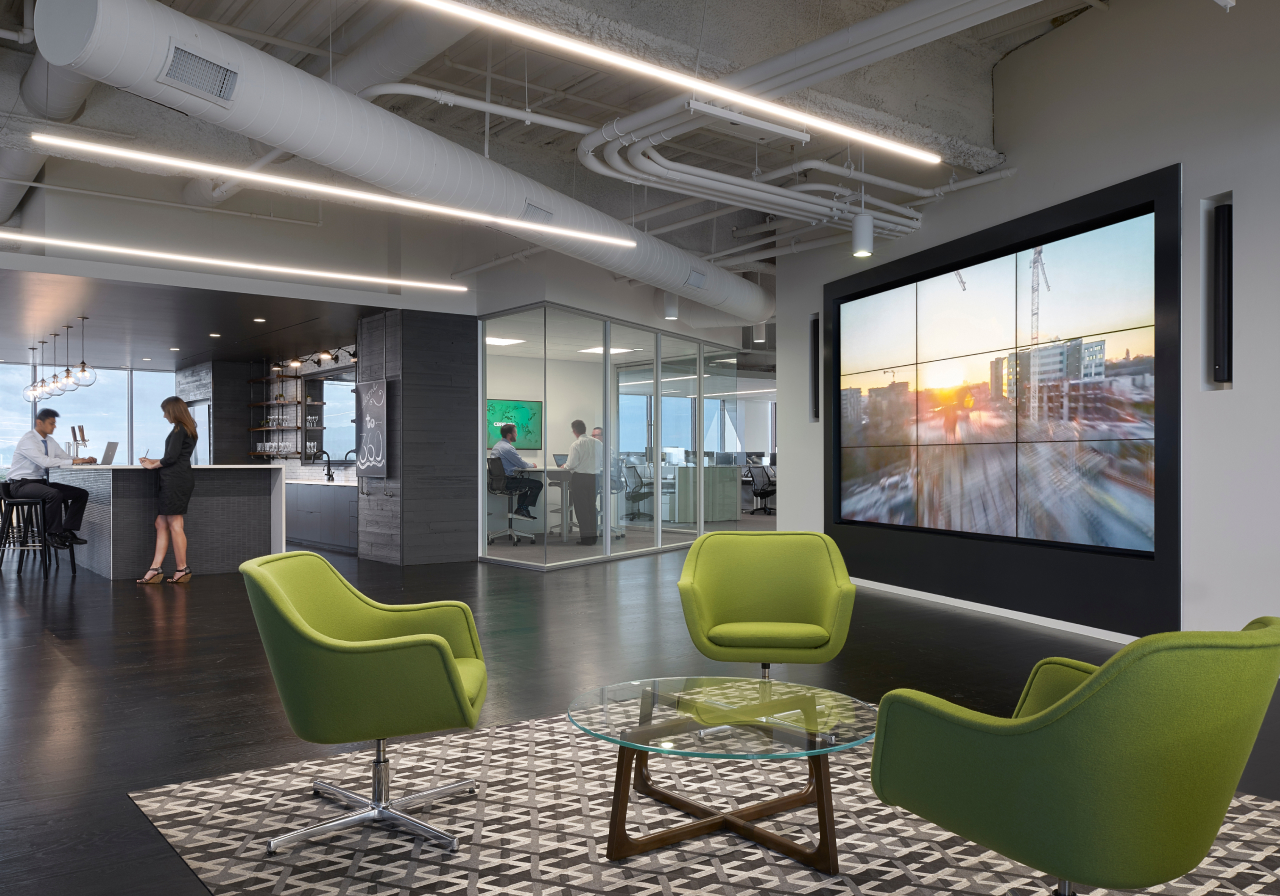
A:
[371, 429]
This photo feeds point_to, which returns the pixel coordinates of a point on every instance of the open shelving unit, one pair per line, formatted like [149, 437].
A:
[278, 411]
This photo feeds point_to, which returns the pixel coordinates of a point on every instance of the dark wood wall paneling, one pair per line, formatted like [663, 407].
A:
[226, 385]
[425, 511]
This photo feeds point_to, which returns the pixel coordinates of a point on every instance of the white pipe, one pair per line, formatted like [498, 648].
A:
[818, 187]
[452, 99]
[27, 34]
[403, 44]
[854, 174]
[126, 42]
[51, 93]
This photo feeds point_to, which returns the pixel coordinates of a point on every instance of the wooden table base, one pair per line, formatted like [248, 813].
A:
[818, 789]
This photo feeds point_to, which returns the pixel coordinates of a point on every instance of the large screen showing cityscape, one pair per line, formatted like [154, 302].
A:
[1013, 398]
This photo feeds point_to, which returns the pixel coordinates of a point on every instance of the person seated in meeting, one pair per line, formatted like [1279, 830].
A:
[513, 463]
[64, 504]
[177, 482]
[585, 462]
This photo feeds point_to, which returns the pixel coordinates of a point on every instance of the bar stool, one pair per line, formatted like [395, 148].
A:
[22, 530]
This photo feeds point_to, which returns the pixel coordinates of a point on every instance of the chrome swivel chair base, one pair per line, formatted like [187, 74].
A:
[376, 809]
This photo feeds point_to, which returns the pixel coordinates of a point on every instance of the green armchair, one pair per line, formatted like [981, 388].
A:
[350, 669]
[766, 597]
[1115, 776]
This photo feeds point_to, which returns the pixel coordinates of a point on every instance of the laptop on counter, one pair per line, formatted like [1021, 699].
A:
[108, 454]
[560, 459]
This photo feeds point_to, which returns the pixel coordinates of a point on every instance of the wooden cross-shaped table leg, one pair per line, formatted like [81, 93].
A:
[621, 844]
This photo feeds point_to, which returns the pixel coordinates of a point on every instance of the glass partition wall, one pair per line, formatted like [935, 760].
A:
[633, 479]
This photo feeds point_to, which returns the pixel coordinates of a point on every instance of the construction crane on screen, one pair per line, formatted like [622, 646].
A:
[1033, 365]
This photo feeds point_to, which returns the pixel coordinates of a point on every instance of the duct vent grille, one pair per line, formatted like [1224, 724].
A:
[201, 76]
[535, 215]
[696, 278]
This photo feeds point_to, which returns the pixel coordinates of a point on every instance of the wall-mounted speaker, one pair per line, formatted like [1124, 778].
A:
[1222, 290]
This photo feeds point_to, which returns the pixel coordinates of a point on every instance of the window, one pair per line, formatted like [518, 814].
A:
[340, 416]
[15, 412]
[102, 409]
[150, 429]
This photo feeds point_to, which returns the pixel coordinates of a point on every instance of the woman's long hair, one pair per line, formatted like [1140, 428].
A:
[177, 410]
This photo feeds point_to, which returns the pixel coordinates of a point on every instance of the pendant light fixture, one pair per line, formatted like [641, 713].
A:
[44, 383]
[55, 381]
[69, 383]
[32, 392]
[84, 375]
[864, 225]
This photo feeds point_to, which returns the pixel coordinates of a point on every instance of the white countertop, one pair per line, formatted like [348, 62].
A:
[92, 467]
[319, 482]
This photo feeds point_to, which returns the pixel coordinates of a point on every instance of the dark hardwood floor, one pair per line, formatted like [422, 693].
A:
[107, 688]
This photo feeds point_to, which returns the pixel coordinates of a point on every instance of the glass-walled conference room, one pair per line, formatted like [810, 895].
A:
[122, 406]
[669, 430]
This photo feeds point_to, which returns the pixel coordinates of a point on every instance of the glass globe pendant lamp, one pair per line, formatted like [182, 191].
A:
[68, 381]
[55, 382]
[31, 392]
[49, 388]
[84, 375]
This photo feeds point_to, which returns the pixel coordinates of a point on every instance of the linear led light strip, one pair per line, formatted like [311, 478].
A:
[362, 196]
[6, 235]
[703, 88]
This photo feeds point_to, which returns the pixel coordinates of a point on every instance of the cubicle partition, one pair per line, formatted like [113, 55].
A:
[658, 473]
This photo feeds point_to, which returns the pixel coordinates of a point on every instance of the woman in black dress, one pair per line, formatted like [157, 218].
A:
[176, 484]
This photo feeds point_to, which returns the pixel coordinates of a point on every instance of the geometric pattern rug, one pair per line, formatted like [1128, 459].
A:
[539, 820]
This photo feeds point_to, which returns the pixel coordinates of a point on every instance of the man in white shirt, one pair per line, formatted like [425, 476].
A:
[586, 461]
[64, 504]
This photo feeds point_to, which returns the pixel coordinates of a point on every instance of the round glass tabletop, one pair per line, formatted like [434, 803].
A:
[722, 718]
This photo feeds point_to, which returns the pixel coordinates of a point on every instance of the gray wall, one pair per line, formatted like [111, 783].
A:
[425, 510]
[226, 385]
[1113, 96]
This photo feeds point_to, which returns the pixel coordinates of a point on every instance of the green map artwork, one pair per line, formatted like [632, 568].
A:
[526, 415]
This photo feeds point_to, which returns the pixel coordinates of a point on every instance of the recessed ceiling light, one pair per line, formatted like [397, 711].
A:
[496, 340]
[699, 87]
[361, 196]
[146, 359]
[228, 263]
[259, 320]
[175, 349]
[215, 335]
[599, 350]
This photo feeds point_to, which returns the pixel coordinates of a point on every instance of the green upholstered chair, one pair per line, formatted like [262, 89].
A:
[1115, 776]
[766, 597]
[350, 669]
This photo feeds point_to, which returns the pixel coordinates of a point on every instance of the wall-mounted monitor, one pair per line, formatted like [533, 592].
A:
[996, 433]
[526, 415]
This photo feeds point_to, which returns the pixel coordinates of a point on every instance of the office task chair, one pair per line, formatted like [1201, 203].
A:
[638, 491]
[762, 489]
[22, 530]
[617, 485]
[498, 486]
[350, 669]
[766, 597]
[1115, 776]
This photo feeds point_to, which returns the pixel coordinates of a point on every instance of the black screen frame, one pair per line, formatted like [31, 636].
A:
[1129, 592]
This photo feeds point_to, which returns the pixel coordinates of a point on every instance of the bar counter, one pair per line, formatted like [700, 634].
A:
[236, 513]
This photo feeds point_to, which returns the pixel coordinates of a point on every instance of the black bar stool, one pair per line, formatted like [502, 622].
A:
[22, 530]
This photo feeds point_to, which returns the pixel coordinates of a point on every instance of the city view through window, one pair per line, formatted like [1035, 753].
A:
[1012, 398]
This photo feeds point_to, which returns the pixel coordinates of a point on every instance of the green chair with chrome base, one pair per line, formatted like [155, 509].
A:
[1116, 776]
[349, 669]
[766, 597]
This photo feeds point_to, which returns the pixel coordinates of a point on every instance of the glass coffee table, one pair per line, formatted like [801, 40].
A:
[723, 718]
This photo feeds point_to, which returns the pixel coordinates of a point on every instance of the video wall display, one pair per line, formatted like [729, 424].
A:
[1013, 398]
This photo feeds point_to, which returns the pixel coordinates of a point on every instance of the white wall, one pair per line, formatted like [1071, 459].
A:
[575, 391]
[1103, 99]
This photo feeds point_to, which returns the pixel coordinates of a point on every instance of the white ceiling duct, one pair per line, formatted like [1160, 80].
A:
[48, 92]
[403, 44]
[130, 44]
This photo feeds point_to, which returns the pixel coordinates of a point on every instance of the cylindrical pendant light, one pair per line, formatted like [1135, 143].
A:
[863, 235]
[758, 333]
[84, 375]
[671, 305]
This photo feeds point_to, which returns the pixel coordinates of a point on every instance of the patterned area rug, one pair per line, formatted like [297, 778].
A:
[539, 822]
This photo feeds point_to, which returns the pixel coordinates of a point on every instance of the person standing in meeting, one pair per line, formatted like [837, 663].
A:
[177, 481]
[586, 461]
[64, 504]
[513, 463]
